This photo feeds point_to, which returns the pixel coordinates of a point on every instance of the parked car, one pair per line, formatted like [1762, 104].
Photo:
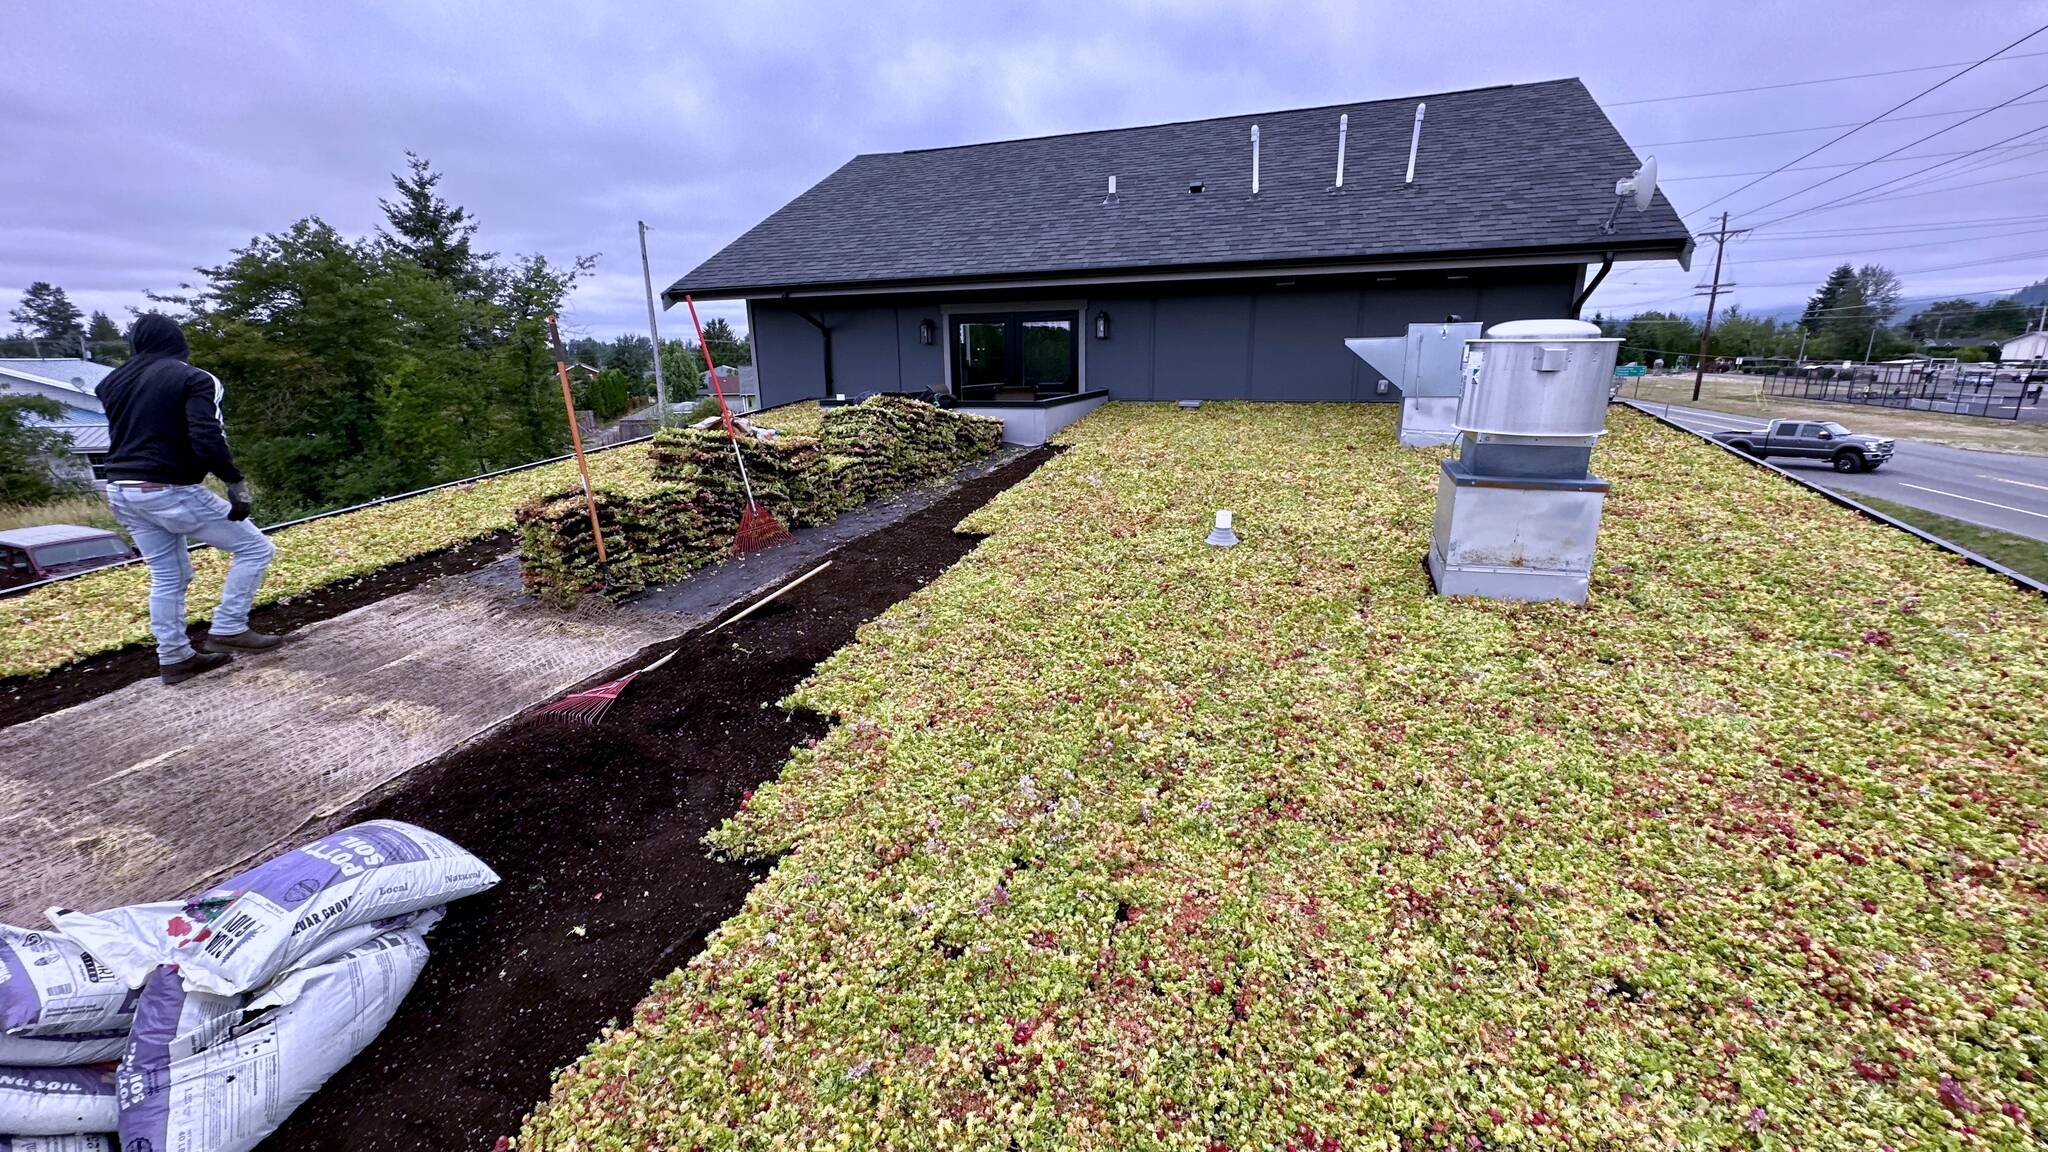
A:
[1812, 440]
[31, 554]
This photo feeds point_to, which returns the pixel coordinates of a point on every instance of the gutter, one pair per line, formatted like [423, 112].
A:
[2019, 578]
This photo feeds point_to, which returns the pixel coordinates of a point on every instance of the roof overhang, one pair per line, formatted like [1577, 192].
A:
[1622, 252]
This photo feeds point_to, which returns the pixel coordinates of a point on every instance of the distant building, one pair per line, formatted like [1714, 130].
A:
[2024, 349]
[70, 382]
[741, 386]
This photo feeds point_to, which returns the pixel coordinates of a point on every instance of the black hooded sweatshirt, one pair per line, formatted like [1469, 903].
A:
[163, 415]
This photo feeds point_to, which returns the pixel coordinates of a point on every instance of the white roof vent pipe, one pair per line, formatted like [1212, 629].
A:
[1414, 143]
[1111, 198]
[1255, 159]
[1343, 130]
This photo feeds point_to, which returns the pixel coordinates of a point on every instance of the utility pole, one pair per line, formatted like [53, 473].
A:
[1872, 343]
[1801, 358]
[1720, 238]
[654, 332]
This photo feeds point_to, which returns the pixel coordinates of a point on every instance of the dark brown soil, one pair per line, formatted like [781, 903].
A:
[597, 834]
[27, 697]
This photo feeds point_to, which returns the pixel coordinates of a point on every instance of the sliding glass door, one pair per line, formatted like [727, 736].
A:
[1015, 356]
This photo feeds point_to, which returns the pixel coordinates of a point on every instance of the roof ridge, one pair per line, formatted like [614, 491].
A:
[1420, 96]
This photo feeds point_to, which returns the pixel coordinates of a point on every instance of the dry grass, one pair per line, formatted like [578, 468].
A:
[1743, 396]
[85, 509]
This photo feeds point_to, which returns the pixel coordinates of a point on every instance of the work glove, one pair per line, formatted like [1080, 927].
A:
[238, 500]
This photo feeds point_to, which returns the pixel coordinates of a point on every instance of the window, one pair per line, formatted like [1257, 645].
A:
[73, 551]
[13, 561]
[1016, 356]
[97, 461]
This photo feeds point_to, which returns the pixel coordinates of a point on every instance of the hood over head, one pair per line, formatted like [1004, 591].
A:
[158, 335]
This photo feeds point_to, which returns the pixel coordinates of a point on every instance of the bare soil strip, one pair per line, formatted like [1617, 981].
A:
[596, 831]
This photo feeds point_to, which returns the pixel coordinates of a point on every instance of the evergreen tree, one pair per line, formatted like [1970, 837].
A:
[48, 313]
[727, 347]
[103, 339]
[28, 447]
[1830, 296]
[431, 232]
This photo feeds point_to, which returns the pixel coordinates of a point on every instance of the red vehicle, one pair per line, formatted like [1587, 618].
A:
[31, 554]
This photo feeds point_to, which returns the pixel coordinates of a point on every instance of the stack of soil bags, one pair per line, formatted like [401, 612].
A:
[226, 1011]
[687, 517]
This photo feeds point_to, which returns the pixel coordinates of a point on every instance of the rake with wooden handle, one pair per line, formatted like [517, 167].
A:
[758, 527]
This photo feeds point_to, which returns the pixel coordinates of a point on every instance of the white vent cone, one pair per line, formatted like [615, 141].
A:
[1221, 536]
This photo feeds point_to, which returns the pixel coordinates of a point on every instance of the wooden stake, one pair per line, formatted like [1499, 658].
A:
[575, 434]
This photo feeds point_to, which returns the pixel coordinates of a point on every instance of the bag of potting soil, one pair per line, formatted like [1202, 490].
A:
[225, 1086]
[49, 983]
[58, 1050]
[57, 1101]
[244, 932]
[56, 1144]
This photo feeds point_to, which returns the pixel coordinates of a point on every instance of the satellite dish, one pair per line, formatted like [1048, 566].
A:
[1645, 181]
[1640, 186]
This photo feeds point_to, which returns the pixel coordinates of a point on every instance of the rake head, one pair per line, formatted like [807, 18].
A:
[590, 705]
[758, 529]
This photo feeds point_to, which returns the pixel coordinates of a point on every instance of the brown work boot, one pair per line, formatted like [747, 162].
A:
[247, 640]
[192, 666]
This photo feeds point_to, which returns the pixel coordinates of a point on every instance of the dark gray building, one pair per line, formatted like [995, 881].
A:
[1166, 262]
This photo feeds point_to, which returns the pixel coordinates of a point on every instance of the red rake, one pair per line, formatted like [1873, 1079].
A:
[591, 704]
[758, 527]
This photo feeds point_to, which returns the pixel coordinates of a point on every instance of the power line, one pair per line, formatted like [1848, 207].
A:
[1829, 127]
[1821, 80]
[1891, 196]
[2014, 257]
[1893, 229]
[1818, 167]
[1893, 152]
[1983, 163]
[1952, 77]
[1838, 308]
[1898, 247]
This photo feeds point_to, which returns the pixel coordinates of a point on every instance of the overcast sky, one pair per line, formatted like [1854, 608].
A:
[146, 139]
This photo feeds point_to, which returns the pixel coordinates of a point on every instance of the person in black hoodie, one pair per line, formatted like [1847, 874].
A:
[163, 416]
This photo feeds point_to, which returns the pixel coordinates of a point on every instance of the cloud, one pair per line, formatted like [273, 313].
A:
[159, 137]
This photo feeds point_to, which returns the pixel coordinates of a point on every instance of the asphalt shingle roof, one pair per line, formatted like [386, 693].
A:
[1529, 166]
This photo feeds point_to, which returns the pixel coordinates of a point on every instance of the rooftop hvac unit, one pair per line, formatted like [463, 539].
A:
[1428, 365]
[1517, 510]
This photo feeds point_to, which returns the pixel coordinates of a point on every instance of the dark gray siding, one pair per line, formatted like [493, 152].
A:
[1298, 348]
[1201, 348]
[1195, 343]
[1122, 363]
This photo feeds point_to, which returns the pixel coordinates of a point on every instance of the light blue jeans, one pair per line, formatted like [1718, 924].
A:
[162, 521]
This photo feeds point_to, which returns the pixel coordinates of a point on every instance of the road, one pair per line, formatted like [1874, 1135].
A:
[1995, 489]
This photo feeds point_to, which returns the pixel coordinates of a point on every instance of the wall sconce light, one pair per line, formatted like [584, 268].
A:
[925, 332]
[1102, 325]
